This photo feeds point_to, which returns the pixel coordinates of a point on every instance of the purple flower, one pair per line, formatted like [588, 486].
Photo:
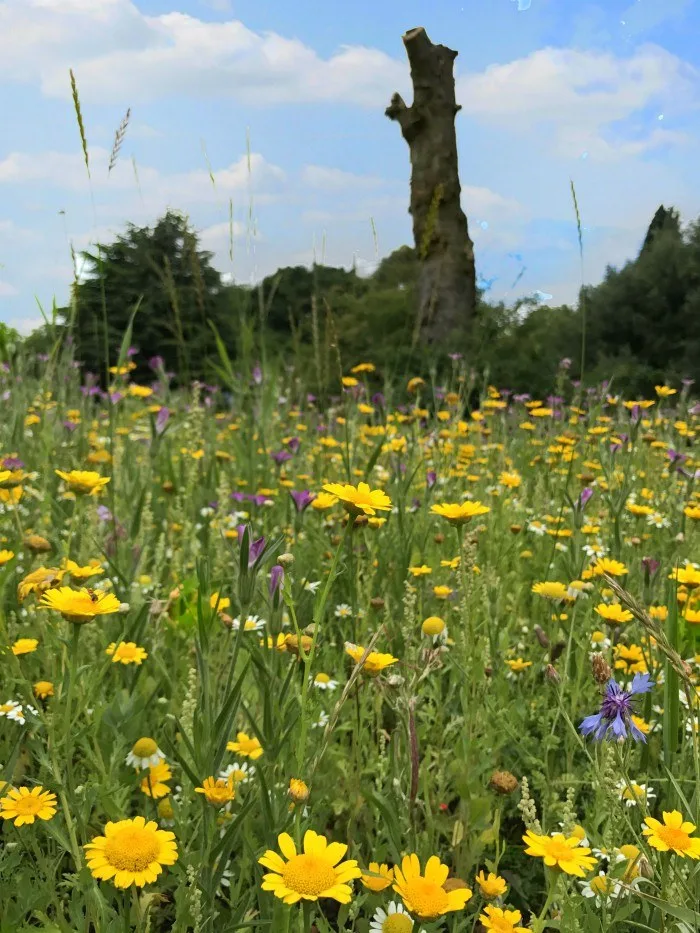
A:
[585, 497]
[675, 456]
[455, 356]
[162, 419]
[104, 514]
[650, 566]
[12, 463]
[302, 499]
[156, 363]
[43, 357]
[565, 363]
[257, 499]
[522, 397]
[70, 425]
[257, 375]
[255, 549]
[293, 444]
[615, 716]
[238, 496]
[378, 399]
[281, 456]
[115, 397]
[132, 351]
[430, 478]
[276, 579]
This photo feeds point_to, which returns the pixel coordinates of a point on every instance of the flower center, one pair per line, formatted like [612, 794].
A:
[144, 748]
[397, 923]
[28, 805]
[428, 900]
[322, 678]
[132, 849]
[558, 850]
[674, 838]
[308, 874]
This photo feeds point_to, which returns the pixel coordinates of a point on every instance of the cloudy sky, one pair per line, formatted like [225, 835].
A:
[277, 109]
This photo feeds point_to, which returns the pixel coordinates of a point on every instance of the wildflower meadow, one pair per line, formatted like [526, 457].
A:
[419, 655]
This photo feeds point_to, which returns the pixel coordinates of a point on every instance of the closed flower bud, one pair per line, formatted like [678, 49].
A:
[298, 790]
[285, 559]
[516, 529]
[541, 636]
[376, 602]
[439, 538]
[601, 669]
[503, 782]
[552, 675]
[644, 867]
[360, 520]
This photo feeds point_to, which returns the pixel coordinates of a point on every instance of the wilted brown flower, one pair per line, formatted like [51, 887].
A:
[503, 782]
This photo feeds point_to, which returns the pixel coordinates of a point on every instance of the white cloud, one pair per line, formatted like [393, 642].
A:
[25, 325]
[572, 97]
[335, 179]
[6, 289]
[120, 54]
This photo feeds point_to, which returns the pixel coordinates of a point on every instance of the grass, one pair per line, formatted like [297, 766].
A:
[396, 762]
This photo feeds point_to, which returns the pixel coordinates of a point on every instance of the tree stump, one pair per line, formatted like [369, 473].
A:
[447, 279]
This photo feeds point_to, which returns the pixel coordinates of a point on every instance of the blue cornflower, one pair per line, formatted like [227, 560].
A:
[615, 716]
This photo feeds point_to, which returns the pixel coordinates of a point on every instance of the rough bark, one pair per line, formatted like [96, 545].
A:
[447, 280]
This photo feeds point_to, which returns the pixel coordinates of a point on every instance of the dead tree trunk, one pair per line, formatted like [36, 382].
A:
[447, 282]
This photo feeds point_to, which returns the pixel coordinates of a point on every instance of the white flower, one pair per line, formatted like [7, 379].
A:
[343, 611]
[601, 887]
[538, 528]
[322, 721]
[141, 761]
[241, 772]
[311, 587]
[381, 923]
[324, 682]
[594, 550]
[252, 624]
[658, 521]
[599, 641]
[634, 793]
[12, 710]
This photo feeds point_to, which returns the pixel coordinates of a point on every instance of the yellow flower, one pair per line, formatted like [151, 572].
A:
[673, 835]
[659, 612]
[425, 895]
[25, 804]
[459, 513]
[551, 589]
[518, 666]
[665, 391]
[83, 482]
[502, 921]
[630, 659]
[563, 852]
[688, 576]
[138, 391]
[421, 571]
[363, 368]
[323, 501]
[6, 557]
[38, 580]
[298, 790]
[43, 689]
[153, 785]
[442, 592]
[219, 602]
[91, 569]
[360, 499]
[316, 872]
[433, 625]
[246, 746]
[130, 852]
[217, 791]
[9, 479]
[607, 565]
[25, 646]
[415, 383]
[692, 511]
[374, 663]
[511, 480]
[79, 606]
[491, 886]
[613, 613]
[377, 877]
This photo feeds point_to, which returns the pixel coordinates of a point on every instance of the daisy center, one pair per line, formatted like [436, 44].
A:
[674, 838]
[131, 849]
[601, 885]
[29, 805]
[144, 748]
[308, 874]
[428, 899]
[559, 850]
[397, 923]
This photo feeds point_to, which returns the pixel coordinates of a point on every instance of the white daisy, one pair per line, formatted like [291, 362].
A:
[324, 682]
[538, 528]
[387, 920]
[252, 624]
[312, 585]
[322, 721]
[343, 611]
[601, 887]
[599, 641]
[145, 754]
[12, 710]
[634, 793]
[241, 772]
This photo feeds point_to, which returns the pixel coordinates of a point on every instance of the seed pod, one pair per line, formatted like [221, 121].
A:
[439, 538]
[552, 675]
[503, 782]
[376, 602]
[541, 636]
[601, 669]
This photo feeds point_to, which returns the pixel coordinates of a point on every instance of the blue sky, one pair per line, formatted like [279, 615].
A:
[284, 102]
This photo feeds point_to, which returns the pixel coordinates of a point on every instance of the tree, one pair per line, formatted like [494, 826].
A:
[161, 270]
[447, 279]
[663, 221]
